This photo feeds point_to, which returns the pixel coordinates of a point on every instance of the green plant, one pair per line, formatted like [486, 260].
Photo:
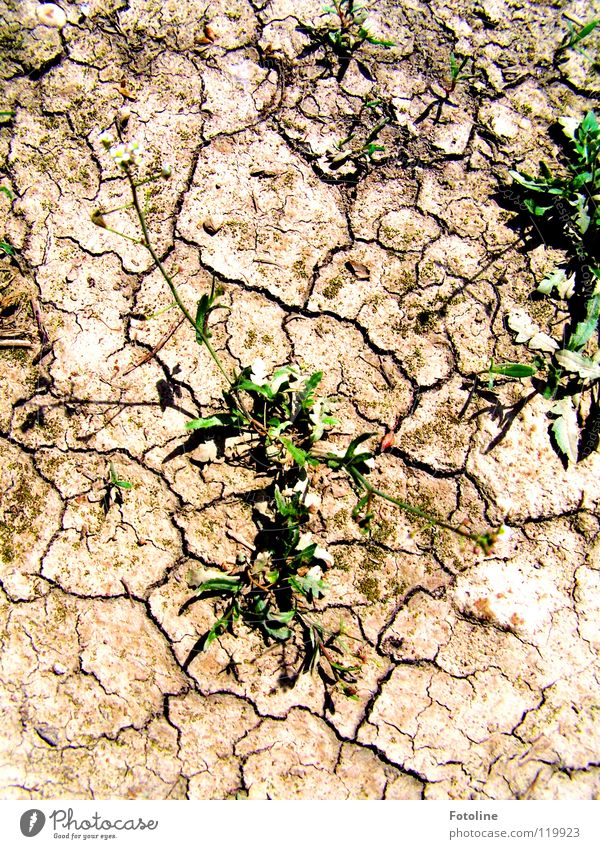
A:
[7, 248]
[114, 487]
[456, 74]
[574, 37]
[277, 422]
[569, 203]
[347, 27]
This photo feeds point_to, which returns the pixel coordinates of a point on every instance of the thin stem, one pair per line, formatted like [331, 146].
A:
[169, 281]
[479, 539]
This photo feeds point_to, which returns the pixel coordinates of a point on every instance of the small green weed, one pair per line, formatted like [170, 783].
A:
[345, 29]
[576, 33]
[569, 204]
[277, 421]
[7, 248]
[456, 73]
[114, 487]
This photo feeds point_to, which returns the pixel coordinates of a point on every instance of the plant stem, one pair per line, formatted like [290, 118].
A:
[481, 540]
[169, 281]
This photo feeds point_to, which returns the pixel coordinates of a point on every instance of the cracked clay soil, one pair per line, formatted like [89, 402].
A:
[480, 674]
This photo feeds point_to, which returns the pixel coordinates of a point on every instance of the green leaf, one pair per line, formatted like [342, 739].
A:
[573, 361]
[6, 191]
[297, 454]
[566, 428]
[586, 329]
[281, 633]
[116, 481]
[529, 182]
[308, 586]
[202, 313]
[535, 208]
[229, 586]
[351, 449]
[309, 389]
[248, 386]
[381, 42]
[123, 484]
[284, 618]
[589, 125]
[8, 249]
[513, 369]
[218, 420]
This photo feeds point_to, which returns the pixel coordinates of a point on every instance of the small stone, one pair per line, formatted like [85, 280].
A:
[51, 15]
[212, 225]
[205, 453]
[59, 669]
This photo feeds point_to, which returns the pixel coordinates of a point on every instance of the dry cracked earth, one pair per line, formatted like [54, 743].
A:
[479, 674]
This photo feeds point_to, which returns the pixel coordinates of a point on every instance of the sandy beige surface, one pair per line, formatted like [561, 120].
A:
[479, 675]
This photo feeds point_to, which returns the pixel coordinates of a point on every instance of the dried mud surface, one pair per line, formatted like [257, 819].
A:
[480, 675]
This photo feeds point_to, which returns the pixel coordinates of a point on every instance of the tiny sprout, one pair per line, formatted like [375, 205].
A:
[51, 15]
[106, 139]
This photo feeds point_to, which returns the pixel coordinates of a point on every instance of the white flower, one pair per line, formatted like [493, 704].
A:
[126, 154]
[120, 154]
[258, 374]
[136, 152]
[51, 15]
[106, 139]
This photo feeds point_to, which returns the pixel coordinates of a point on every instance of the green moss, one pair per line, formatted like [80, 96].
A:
[250, 340]
[7, 551]
[340, 519]
[383, 530]
[300, 269]
[15, 355]
[369, 587]
[333, 287]
[375, 558]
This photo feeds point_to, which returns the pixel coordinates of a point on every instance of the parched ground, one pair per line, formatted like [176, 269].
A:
[480, 675]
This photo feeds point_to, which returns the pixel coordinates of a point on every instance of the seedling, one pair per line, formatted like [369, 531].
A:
[570, 204]
[277, 421]
[576, 33]
[456, 74]
[114, 488]
[345, 29]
